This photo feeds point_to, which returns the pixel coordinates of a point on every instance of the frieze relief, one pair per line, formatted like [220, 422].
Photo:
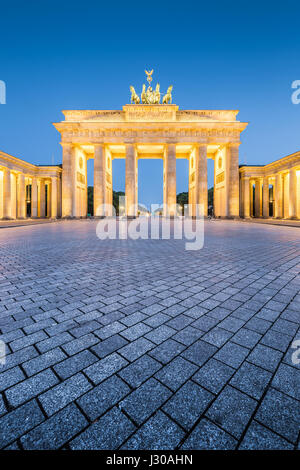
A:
[141, 134]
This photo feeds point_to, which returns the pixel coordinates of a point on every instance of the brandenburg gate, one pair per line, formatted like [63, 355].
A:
[147, 129]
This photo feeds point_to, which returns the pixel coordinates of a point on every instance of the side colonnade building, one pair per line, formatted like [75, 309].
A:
[271, 190]
[28, 190]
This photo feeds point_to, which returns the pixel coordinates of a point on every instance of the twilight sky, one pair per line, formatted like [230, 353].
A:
[58, 55]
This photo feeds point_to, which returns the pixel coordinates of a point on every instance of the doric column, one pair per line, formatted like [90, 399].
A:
[6, 194]
[257, 198]
[34, 198]
[266, 201]
[130, 181]
[201, 179]
[278, 196]
[21, 213]
[292, 193]
[233, 179]
[67, 180]
[170, 180]
[246, 196]
[53, 197]
[42, 198]
[99, 180]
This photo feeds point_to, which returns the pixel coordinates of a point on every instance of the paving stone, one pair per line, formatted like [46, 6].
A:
[258, 437]
[160, 334]
[265, 357]
[214, 375]
[217, 336]
[276, 340]
[205, 323]
[207, 436]
[136, 317]
[18, 422]
[79, 344]
[109, 345]
[64, 393]
[102, 397]
[85, 328]
[251, 379]
[158, 433]
[281, 414]
[105, 368]
[188, 335]
[136, 349]
[3, 409]
[74, 364]
[107, 433]
[232, 354]
[179, 322]
[53, 342]
[199, 352]
[287, 380]
[21, 343]
[232, 411]
[231, 324]
[135, 331]
[176, 373]
[56, 431]
[31, 387]
[259, 325]
[175, 310]
[166, 351]
[10, 377]
[37, 364]
[139, 371]
[110, 330]
[188, 404]
[246, 338]
[145, 400]
[196, 312]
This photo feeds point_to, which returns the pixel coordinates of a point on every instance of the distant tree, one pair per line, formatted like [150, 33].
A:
[116, 195]
[182, 199]
[90, 208]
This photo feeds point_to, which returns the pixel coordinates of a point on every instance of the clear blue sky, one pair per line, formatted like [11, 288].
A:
[58, 55]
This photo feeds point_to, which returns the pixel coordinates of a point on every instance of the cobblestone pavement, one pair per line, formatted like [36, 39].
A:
[141, 344]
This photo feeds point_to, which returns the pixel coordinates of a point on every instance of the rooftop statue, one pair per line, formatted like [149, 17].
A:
[150, 96]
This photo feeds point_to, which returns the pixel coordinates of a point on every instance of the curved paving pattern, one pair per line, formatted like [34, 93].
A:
[140, 344]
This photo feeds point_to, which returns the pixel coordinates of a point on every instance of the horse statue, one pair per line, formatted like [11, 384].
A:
[167, 99]
[150, 95]
[157, 94]
[134, 97]
[143, 95]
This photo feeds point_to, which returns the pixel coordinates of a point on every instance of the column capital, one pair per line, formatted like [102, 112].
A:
[233, 144]
[66, 144]
[200, 144]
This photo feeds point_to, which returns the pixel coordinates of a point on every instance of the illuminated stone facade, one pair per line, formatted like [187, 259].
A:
[28, 190]
[150, 131]
[272, 190]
